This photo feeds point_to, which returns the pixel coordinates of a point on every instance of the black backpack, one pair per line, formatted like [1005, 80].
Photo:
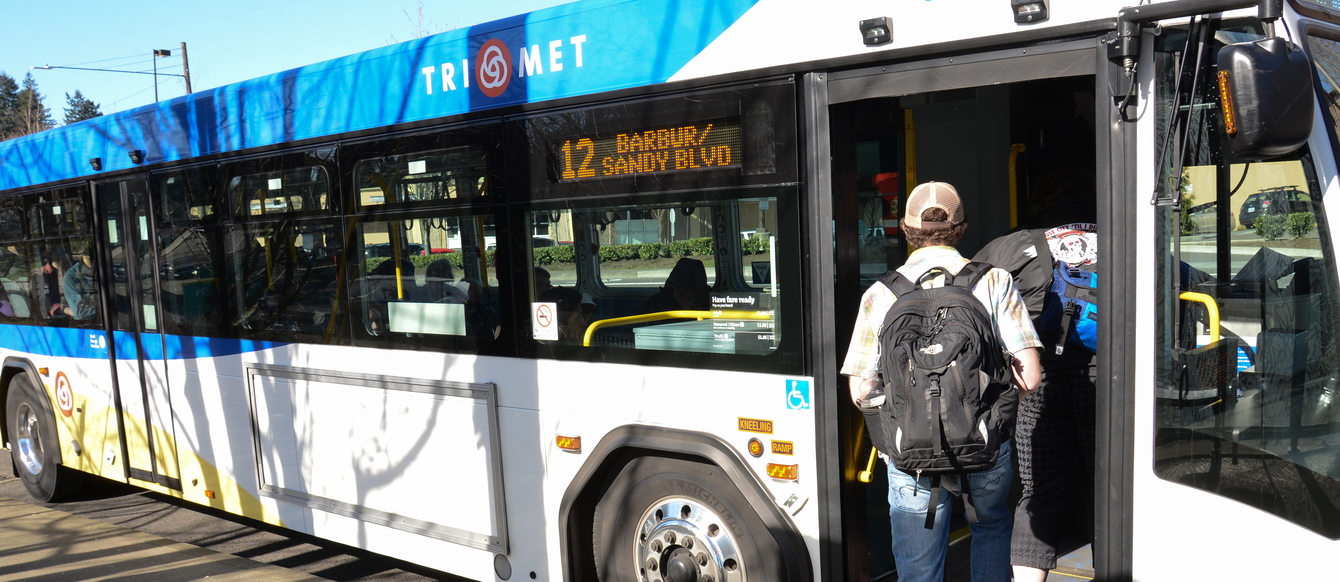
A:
[1062, 298]
[948, 402]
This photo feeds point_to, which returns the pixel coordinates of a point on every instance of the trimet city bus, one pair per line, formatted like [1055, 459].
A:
[563, 296]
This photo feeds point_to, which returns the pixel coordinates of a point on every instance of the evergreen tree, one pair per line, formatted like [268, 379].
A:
[9, 107]
[34, 116]
[77, 108]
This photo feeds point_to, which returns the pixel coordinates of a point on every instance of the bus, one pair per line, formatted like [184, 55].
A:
[563, 296]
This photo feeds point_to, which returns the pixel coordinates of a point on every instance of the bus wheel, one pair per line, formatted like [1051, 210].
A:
[33, 446]
[669, 520]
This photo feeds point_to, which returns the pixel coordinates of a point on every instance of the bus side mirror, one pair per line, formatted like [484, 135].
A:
[1265, 90]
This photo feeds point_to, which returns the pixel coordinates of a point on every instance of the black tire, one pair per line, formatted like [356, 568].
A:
[670, 520]
[33, 446]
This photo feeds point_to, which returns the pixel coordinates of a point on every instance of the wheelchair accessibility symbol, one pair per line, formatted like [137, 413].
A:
[798, 394]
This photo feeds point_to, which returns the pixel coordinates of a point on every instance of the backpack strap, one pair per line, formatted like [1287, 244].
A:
[1040, 244]
[953, 485]
[964, 491]
[1067, 315]
[1071, 300]
[970, 274]
[897, 283]
[934, 492]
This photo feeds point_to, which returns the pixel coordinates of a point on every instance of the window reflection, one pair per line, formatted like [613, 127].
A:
[48, 269]
[693, 276]
[1247, 361]
[451, 174]
[190, 253]
[428, 277]
[284, 279]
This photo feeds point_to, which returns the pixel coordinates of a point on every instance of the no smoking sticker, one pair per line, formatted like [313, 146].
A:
[64, 395]
[544, 321]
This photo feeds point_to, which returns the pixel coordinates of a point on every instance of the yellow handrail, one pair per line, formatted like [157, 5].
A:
[869, 472]
[674, 314]
[395, 256]
[1211, 307]
[1015, 150]
[909, 150]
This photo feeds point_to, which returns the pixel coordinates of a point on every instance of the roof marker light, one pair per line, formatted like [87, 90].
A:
[1026, 11]
[876, 31]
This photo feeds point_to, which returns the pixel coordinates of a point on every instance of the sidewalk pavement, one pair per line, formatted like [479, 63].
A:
[37, 543]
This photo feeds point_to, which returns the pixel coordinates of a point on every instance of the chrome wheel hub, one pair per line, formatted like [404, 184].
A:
[29, 439]
[681, 540]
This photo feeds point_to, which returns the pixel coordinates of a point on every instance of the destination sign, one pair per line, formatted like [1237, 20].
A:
[666, 150]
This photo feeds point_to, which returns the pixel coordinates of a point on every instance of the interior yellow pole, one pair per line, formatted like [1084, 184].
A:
[1015, 150]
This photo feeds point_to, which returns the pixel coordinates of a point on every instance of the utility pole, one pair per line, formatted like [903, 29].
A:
[185, 68]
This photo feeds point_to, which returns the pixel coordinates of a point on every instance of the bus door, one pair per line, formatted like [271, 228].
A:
[1238, 437]
[1010, 130]
[138, 351]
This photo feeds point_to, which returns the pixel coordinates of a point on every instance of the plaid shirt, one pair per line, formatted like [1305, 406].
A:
[995, 290]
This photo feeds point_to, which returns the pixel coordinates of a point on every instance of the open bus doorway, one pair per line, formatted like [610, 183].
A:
[1021, 154]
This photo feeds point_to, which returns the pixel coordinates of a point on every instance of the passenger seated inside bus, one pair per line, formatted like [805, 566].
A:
[55, 262]
[575, 311]
[13, 296]
[381, 287]
[685, 288]
[80, 286]
[440, 285]
[481, 320]
[667, 276]
[542, 281]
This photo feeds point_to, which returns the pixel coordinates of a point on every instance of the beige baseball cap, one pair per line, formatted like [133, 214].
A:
[933, 195]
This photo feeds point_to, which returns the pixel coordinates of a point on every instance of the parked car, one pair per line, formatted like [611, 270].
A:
[1202, 218]
[1279, 200]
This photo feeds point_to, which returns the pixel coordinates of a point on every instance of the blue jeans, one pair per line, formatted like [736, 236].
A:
[919, 553]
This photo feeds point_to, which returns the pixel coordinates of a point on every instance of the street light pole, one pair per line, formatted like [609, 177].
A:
[158, 53]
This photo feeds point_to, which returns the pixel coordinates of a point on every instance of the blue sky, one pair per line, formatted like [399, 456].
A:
[226, 41]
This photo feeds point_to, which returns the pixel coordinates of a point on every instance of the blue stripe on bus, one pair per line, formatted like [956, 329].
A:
[125, 345]
[188, 347]
[54, 341]
[563, 51]
[92, 344]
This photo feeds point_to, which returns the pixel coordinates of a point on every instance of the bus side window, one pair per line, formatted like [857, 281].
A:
[281, 248]
[190, 252]
[690, 277]
[285, 280]
[424, 278]
[15, 271]
[57, 226]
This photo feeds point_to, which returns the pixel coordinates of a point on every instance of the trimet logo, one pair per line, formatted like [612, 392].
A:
[494, 66]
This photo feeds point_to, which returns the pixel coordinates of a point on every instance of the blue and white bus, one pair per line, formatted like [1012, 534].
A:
[563, 296]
